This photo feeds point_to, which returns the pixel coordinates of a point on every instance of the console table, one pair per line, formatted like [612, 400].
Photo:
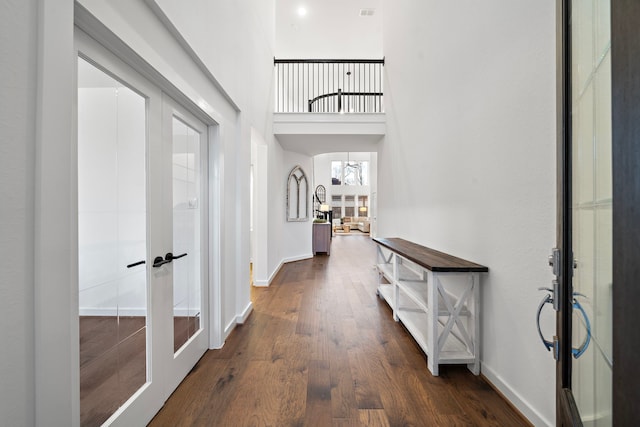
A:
[321, 240]
[437, 298]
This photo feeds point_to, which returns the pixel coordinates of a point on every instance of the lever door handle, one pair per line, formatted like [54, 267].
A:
[136, 264]
[158, 261]
[170, 257]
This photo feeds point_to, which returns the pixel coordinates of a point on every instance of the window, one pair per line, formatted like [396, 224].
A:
[363, 206]
[350, 205]
[336, 206]
[336, 173]
[350, 173]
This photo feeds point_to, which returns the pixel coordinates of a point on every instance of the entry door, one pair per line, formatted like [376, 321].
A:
[142, 240]
[583, 262]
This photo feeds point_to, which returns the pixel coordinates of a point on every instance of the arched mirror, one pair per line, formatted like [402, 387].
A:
[297, 195]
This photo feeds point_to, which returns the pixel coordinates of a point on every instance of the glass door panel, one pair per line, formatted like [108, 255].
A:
[187, 302]
[112, 243]
[592, 209]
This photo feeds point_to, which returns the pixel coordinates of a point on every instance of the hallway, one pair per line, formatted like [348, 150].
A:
[321, 349]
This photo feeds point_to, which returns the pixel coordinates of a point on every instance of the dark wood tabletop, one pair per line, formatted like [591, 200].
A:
[429, 258]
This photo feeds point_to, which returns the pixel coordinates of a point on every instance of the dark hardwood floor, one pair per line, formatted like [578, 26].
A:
[321, 349]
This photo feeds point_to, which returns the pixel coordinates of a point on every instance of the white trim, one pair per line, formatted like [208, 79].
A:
[515, 398]
[216, 234]
[241, 318]
[261, 283]
[183, 94]
[238, 320]
[266, 283]
[56, 396]
[296, 258]
[227, 330]
[159, 12]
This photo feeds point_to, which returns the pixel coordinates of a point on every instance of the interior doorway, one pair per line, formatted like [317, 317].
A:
[143, 240]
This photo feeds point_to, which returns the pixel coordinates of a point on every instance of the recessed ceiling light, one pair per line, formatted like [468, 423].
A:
[302, 11]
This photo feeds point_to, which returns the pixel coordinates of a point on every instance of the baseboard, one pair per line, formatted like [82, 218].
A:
[241, 318]
[514, 398]
[266, 283]
[297, 258]
[228, 330]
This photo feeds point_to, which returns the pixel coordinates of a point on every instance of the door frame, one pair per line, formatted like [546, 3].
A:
[566, 411]
[625, 86]
[165, 368]
[216, 125]
[56, 259]
[56, 394]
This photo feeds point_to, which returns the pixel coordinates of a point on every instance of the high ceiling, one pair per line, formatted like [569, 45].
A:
[329, 29]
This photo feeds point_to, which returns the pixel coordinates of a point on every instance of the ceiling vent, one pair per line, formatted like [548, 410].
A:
[367, 12]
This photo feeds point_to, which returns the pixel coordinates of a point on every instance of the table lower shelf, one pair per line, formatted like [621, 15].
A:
[417, 321]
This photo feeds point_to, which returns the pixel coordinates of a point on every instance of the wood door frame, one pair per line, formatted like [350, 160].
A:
[625, 67]
[564, 397]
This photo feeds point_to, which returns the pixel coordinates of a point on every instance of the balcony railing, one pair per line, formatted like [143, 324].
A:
[329, 85]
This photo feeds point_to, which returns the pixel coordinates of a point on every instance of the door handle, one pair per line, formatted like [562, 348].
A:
[136, 264]
[575, 352]
[158, 261]
[170, 257]
[548, 299]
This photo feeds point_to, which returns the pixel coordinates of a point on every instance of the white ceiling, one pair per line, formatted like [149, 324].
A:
[331, 29]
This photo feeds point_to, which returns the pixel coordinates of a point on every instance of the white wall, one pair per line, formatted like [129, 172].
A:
[18, 45]
[296, 236]
[468, 164]
[331, 29]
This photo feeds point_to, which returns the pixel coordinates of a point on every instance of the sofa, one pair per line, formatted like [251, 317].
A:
[357, 222]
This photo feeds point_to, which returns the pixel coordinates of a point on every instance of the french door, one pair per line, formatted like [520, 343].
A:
[583, 261]
[142, 241]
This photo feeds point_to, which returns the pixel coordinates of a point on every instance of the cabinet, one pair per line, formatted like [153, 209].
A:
[437, 298]
[322, 237]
